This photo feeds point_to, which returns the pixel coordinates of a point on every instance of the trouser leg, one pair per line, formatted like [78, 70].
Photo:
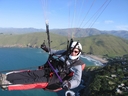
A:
[27, 77]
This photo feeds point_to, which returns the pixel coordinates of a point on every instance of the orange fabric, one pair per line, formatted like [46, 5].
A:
[51, 74]
[83, 66]
[71, 74]
[27, 86]
[57, 89]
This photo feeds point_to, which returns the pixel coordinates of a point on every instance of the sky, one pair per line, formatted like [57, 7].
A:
[60, 14]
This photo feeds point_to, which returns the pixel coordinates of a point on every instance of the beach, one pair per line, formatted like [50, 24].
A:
[98, 58]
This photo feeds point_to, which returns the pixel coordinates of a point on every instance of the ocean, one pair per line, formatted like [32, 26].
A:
[27, 58]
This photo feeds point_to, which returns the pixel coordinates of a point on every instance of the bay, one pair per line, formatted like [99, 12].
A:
[22, 58]
[26, 58]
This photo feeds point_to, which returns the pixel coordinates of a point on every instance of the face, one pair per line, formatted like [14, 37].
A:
[75, 52]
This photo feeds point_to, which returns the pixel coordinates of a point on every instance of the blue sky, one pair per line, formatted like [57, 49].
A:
[99, 14]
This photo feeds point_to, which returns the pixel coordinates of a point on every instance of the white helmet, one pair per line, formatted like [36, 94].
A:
[78, 46]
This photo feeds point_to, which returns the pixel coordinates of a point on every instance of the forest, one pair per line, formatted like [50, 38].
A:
[108, 80]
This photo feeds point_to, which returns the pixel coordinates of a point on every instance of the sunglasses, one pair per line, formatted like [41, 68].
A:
[75, 51]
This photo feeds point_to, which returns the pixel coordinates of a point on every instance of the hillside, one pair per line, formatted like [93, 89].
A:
[30, 39]
[98, 44]
[105, 44]
[110, 80]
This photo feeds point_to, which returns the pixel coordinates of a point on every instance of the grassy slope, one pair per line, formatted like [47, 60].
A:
[32, 38]
[99, 44]
[105, 44]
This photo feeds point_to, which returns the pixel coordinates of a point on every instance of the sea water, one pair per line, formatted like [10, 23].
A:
[19, 59]
[26, 58]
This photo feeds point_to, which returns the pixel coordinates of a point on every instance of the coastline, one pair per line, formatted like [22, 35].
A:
[18, 46]
[97, 58]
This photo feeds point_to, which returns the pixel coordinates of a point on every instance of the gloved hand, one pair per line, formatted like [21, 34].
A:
[66, 85]
[44, 47]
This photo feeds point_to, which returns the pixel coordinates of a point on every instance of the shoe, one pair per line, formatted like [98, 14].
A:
[3, 82]
[2, 78]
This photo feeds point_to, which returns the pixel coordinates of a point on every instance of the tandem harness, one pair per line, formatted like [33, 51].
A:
[57, 67]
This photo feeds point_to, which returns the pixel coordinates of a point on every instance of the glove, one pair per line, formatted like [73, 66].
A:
[66, 85]
[44, 48]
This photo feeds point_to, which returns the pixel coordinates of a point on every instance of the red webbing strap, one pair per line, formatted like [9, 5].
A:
[27, 86]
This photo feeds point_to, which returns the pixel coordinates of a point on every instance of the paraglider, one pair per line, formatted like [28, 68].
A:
[63, 70]
[59, 72]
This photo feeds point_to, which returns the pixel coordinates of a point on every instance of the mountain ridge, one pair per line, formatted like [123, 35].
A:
[70, 32]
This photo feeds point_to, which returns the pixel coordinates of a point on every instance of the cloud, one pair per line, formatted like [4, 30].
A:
[108, 22]
[122, 27]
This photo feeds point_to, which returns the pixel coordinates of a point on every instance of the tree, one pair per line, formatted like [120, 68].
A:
[102, 82]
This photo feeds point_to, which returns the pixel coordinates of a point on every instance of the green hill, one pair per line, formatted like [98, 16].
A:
[29, 39]
[98, 44]
[105, 44]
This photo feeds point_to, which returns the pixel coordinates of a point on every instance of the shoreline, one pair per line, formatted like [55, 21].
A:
[97, 58]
